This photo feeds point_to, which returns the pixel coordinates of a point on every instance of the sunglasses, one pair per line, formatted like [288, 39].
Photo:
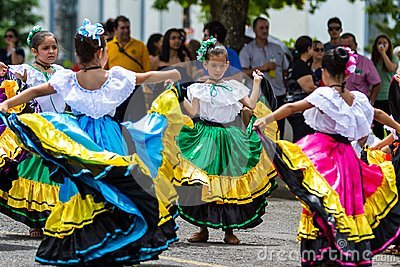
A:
[8, 36]
[337, 28]
[318, 50]
[176, 38]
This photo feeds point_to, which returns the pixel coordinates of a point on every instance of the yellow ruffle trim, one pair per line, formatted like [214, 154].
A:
[232, 189]
[9, 147]
[358, 228]
[167, 105]
[11, 88]
[59, 143]
[386, 196]
[31, 195]
[74, 214]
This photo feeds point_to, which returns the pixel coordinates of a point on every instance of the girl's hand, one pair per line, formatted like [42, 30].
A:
[261, 123]
[397, 77]
[3, 69]
[381, 48]
[257, 75]
[168, 82]
[3, 107]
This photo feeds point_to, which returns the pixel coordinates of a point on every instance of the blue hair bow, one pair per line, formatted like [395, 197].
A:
[90, 30]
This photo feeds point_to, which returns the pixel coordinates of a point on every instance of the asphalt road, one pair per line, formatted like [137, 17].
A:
[273, 243]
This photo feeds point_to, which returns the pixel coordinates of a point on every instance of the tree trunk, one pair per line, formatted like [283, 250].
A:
[233, 14]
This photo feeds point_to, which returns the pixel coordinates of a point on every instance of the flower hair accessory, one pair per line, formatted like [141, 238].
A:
[32, 32]
[202, 51]
[90, 30]
[351, 63]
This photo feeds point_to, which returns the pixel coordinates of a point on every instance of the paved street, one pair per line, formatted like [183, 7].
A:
[273, 243]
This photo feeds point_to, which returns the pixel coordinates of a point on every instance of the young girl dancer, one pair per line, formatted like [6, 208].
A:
[223, 162]
[108, 212]
[33, 195]
[351, 209]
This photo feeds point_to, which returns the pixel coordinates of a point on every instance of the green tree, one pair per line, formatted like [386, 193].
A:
[234, 14]
[18, 14]
[384, 14]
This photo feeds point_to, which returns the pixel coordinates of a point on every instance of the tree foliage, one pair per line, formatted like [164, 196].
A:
[386, 18]
[18, 14]
[234, 14]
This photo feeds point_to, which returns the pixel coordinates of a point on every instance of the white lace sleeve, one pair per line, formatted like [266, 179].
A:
[240, 90]
[18, 68]
[333, 115]
[62, 81]
[99, 102]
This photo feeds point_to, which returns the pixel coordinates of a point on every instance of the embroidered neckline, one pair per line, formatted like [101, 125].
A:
[46, 75]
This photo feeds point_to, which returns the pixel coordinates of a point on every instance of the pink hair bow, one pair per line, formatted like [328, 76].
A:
[352, 63]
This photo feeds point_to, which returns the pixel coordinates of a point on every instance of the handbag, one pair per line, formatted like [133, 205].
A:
[294, 92]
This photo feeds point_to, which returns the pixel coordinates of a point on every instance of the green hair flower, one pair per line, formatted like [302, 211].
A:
[202, 51]
[32, 32]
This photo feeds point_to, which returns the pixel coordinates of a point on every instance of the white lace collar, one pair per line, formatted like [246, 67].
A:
[95, 103]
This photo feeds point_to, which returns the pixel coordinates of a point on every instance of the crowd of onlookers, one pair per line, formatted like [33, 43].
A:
[293, 74]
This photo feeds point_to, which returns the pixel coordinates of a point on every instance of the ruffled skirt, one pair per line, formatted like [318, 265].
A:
[224, 176]
[350, 209]
[113, 207]
[26, 193]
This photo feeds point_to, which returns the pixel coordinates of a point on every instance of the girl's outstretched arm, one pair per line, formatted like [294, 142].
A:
[384, 142]
[383, 118]
[157, 76]
[251, 101]
[282, 112]
[27, 95]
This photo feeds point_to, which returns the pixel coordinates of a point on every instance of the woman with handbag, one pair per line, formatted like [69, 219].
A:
[300, 83]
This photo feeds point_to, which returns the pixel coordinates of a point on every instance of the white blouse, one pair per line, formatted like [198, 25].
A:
[219, 102]
[332, 115]
[53, 103]
[95, 103]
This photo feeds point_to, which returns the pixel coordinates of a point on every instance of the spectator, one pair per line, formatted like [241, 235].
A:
[154, 44]
[386, 65]
[193, 46]
[365, 78]
[267, 57]
[109, 29]
[300, 84]
[12, 54]
[316, 62]
[172, 51]
[334, 31]
[218, 31]
[185, 48]
[172, 55]
[131, 54]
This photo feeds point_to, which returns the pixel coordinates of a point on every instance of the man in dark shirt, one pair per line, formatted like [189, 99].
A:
[334, 30]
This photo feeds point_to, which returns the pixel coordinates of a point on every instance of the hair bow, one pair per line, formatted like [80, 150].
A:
[90, 30]
[352, 62]
[202, 51]
[32, 32]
